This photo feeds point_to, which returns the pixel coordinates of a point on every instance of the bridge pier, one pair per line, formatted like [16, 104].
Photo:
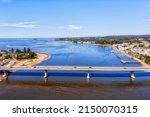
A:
[5, 75]
[46, 77]
[132, 77]
[88, 77]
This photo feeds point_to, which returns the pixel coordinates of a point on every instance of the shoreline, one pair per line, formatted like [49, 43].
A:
[104, 45]
[134, 58]
[31, 62]
[138, 60]
[119, 52]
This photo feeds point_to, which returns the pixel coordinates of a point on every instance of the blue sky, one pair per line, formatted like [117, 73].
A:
[73, 18]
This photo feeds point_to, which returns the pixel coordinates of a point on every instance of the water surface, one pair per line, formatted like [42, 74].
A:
[73, 85]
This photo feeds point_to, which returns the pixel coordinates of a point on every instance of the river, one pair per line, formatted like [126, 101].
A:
[73, 85]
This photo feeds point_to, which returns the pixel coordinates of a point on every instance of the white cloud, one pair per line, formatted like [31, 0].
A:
[20, 24]
[5, 1]
[72, 27]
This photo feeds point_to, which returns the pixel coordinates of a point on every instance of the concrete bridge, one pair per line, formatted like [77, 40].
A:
[87, 69]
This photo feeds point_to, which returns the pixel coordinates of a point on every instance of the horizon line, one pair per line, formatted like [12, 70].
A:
[79, 36]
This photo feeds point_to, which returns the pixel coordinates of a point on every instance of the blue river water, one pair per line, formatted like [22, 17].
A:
[66, 53]
[70, 54]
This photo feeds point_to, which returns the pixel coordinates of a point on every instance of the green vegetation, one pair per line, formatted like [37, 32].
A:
[18, 54]
[110, 42]
[102, 40]
[144, 58]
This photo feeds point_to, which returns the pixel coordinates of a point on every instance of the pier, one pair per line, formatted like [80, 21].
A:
[129, 62]
[87, 69]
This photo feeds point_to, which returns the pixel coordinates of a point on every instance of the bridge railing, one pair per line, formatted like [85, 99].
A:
[77, 68]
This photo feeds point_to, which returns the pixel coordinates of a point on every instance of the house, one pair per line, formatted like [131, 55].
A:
[2, 53]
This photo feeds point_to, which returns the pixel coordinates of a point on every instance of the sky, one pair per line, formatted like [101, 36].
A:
[73, 18]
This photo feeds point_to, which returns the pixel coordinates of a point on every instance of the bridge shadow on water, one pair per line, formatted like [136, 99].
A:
[79, 80]
[31, 85]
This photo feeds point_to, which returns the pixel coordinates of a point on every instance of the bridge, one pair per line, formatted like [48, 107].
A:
[87, 69]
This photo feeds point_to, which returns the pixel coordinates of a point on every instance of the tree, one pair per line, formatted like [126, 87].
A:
[17, 51]
[12, 50]
[25, 50]
[29, 50]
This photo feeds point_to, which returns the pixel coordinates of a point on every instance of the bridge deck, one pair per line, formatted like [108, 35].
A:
[77, 68]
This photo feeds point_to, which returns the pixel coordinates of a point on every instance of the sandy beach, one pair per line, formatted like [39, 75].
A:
[32, 62]
[136, 59]
[142, 63]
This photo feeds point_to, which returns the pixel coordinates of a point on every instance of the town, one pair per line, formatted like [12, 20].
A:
[138, 50]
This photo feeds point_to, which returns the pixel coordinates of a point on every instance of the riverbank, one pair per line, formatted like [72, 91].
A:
[104, 45]
[119, 52]
[138, 60]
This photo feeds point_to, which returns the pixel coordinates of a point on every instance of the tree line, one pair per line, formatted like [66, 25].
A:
[19, 54]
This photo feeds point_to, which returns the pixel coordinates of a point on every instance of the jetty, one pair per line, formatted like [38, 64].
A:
[129, 62]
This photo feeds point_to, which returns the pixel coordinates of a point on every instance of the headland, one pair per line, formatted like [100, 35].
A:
[17, 58]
